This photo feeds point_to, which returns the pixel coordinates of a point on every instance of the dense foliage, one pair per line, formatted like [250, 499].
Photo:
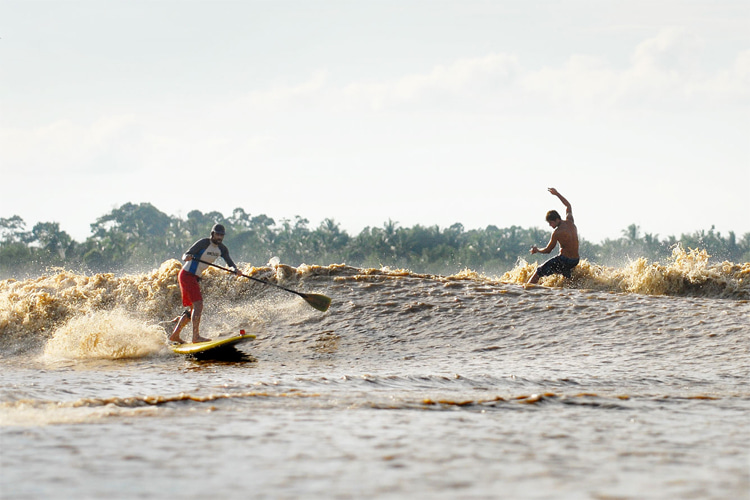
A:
[140, 237]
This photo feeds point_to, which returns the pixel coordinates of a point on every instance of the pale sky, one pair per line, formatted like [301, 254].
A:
[422, 112]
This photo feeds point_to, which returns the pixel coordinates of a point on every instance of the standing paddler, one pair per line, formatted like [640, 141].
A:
[197, 258]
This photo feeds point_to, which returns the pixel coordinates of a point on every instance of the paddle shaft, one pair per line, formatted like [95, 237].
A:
[304, 296]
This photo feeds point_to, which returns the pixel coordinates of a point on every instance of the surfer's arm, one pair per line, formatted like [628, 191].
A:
[196, 249]
[228, 259]
[550, 246]
[568, 208]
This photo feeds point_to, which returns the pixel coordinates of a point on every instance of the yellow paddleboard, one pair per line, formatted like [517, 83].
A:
[190, 348]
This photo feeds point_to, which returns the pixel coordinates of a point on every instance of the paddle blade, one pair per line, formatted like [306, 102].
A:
[319, 302]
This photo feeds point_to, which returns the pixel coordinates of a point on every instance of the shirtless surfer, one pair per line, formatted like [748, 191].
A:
[206, 250]
[566, 233]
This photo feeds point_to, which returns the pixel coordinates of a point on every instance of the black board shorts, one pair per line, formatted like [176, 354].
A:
[558, 265]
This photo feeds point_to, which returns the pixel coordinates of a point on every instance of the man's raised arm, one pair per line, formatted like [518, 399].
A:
[568, 209]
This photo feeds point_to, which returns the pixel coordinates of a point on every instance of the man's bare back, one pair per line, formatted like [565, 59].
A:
[567, 235]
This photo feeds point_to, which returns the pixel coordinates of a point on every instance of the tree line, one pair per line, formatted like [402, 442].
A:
[134, 238]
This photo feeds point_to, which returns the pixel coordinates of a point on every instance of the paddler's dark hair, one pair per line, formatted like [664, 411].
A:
[553, 215]
[218, 229]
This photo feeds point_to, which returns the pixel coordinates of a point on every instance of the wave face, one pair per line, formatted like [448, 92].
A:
[68, 315]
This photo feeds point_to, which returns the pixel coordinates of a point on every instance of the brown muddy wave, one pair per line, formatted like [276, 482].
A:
[101, 315]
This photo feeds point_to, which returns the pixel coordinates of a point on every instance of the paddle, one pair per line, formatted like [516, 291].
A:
[319, 302]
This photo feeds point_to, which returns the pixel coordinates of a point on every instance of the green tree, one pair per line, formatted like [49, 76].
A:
[132, 235]
[13, 230]
[135, 236]
[329, 242]
[52, 241]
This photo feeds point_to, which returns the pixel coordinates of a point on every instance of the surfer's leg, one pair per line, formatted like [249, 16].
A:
[182, 321]
[541, 271]
[197, 311]
[191, 293]
[552, 266]
[568, 266]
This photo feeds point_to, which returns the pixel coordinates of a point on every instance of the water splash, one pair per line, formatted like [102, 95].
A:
[687, 273]
[104, 335]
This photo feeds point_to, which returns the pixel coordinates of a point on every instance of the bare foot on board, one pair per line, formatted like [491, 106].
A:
[175, 340]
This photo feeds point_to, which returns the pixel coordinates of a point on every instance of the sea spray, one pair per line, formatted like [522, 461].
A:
[104, 335]
[687, 273]
[36, 307]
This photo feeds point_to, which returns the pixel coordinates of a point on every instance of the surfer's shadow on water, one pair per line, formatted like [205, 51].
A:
[229, 355]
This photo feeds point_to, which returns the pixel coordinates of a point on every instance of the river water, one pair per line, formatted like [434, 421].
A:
[625, 383]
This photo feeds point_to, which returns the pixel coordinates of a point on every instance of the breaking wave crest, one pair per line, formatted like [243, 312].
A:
[112, 317]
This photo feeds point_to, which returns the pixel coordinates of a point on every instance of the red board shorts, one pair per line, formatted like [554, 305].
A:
[191, 290]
